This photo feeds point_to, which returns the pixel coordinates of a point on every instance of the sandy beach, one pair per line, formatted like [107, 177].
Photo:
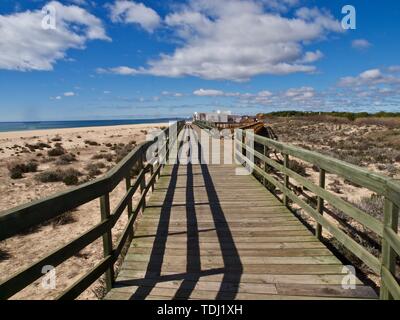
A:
[86, 152]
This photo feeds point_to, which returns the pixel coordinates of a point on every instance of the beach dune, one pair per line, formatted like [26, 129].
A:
[89, 153]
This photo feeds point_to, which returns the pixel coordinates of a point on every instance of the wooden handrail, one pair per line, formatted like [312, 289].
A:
[17, 219]
[382, 185]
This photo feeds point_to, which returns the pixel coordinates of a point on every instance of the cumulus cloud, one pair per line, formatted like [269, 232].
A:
[122, 70]
[369, 78]
[137, 13]
[302, 93]
[237, 39]
[310, 56]
[172, 94]
[25, 45]
[361, 44]
[208, 93]
[280, 5]
[69, 94]
[394, 69]
[371, 90]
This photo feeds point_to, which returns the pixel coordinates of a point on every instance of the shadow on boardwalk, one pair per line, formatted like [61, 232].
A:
[232, 269]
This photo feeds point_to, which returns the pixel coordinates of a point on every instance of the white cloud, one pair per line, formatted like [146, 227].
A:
[122, 70]
[69, 94]
[25, 45]
[78, 2]
[58, 98]
[280, 5]
[208, 93]
[310, 56]
[265, 93]
[394, 69]
[132, 12]
[172, 94]
[368, 78]
[302, 93]
[360, 44]
[238, 39]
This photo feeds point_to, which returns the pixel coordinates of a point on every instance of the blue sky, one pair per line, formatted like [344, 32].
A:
[131, 59]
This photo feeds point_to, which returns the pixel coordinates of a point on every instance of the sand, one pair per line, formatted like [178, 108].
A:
[19, 251]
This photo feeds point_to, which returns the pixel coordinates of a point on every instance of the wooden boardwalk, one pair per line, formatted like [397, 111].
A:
[207, 233]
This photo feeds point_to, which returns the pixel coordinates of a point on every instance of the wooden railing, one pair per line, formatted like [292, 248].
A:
[204, 124]
[16, 220]
[385, 266]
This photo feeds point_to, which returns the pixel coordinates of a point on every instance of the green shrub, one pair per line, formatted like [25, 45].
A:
[123, 150]
[66, 159]
[56, 138]
[63, 219]
[372, 205]
[68, 176]
[57, 151]
[70, 179]
[93, 169]
[91, 143]
[106, 156]
[16, 169]
[297, 167]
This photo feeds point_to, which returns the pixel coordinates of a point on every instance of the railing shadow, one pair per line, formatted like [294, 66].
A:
[232, 269]
[160, 241]
[193, 259]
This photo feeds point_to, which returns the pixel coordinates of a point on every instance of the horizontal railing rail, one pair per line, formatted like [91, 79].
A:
[385, 265]
[16, 220]
[204, 124]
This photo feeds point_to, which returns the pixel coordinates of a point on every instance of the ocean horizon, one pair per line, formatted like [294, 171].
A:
[40, 125]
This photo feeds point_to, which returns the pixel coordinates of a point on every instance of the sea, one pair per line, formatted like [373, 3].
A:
[39, 125]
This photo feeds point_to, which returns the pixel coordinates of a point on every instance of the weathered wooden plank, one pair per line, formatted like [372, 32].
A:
[238, 245]
[243, 259]
[242, 252]
[293, 269]
[325, 290]
[215, 239]
[313, 279]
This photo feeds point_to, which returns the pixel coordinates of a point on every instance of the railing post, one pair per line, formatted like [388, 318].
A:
[286, 179]
[151, 174]
[265, 164]
[390, 221]
[129, 207]
[143, 181]
[107, 239]
[320, 204]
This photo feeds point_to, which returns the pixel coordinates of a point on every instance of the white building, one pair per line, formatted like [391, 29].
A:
[217, 116]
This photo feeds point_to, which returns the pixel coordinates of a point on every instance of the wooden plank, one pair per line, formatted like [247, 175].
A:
[293, 269]
[242, 252]
[238, 245]
[232, 259]
[313, 279]
[255, 240]
[325, 290]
